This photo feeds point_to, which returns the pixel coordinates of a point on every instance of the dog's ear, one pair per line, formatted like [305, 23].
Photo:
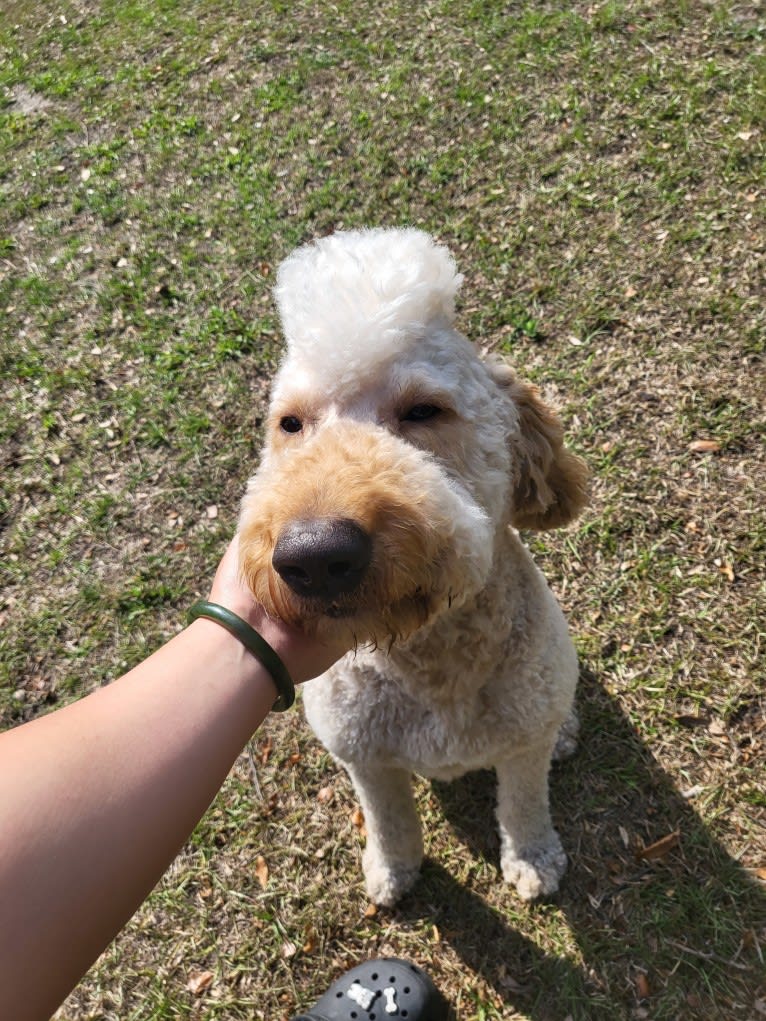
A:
[550, 482]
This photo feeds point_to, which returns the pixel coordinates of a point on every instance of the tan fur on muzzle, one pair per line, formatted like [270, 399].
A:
[396, 494]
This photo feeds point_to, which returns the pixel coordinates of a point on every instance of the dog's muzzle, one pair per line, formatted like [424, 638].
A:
[322, 559]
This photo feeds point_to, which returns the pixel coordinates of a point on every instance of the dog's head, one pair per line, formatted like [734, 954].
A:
[394, 454]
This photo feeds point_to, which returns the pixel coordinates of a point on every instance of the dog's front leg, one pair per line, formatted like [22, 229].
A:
[394, 847]
[531, 855]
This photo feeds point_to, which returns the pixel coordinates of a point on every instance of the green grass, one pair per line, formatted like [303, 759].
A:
[598, 171]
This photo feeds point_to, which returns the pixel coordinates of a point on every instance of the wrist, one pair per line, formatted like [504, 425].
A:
[255, 644]
[229, 658]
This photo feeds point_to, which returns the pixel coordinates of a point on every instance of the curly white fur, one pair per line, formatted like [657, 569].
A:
[482, 670]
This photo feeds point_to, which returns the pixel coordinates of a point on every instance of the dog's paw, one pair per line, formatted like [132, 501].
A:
[387, 882]
[566, 739]
[536, 871]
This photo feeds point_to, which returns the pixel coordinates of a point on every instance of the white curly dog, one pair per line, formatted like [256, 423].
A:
[397, 468]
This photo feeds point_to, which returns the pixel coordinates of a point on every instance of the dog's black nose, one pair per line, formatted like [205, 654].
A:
[323, 558]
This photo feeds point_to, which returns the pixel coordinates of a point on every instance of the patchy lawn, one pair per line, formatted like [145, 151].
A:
[597, 168]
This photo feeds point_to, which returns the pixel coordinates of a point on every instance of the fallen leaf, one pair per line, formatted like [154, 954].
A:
[642, 986]
[728, 571]
[514, 986]
[692, 792]
[294, 759]
[265, 751]
[357, 818]
[704, 446]
[311, 942]
[370, 911]
[289, 949]
[761, 873]
[261, 871]
[325, 795]
[687, 720]
[660, 847]
[199, 981]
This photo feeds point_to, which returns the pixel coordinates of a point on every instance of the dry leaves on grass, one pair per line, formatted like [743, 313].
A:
[199, 981]
[261, 871]
[643, 989]
[357, 820]
[264, 752]
[660, 847]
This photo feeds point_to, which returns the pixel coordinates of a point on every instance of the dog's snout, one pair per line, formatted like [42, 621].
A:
[322, 558]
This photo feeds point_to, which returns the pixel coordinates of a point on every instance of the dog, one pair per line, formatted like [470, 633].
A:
[398, 466]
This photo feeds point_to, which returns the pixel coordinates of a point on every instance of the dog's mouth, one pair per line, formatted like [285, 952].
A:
[337, 612]
[374, 623]
[363, 617]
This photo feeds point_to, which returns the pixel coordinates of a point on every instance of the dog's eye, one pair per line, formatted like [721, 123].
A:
[291, 424]
[421, 413]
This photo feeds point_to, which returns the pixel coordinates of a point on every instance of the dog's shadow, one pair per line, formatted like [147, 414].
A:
[663, 923]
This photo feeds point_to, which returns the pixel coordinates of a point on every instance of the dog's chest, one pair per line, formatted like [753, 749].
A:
[482, 682]
[477, 714]
[369, 718]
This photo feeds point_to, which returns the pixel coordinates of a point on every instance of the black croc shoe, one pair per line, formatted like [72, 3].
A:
[385, 989]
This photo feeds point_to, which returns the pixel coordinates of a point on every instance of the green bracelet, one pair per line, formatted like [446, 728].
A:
[254, 643]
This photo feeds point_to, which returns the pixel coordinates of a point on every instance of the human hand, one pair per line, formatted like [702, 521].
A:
[304, 657]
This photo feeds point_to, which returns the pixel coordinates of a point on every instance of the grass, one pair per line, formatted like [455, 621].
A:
[598, 171]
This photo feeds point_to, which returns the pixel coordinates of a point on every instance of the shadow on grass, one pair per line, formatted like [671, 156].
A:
[674, 937]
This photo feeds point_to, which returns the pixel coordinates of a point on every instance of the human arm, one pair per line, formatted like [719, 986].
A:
[97, 798]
